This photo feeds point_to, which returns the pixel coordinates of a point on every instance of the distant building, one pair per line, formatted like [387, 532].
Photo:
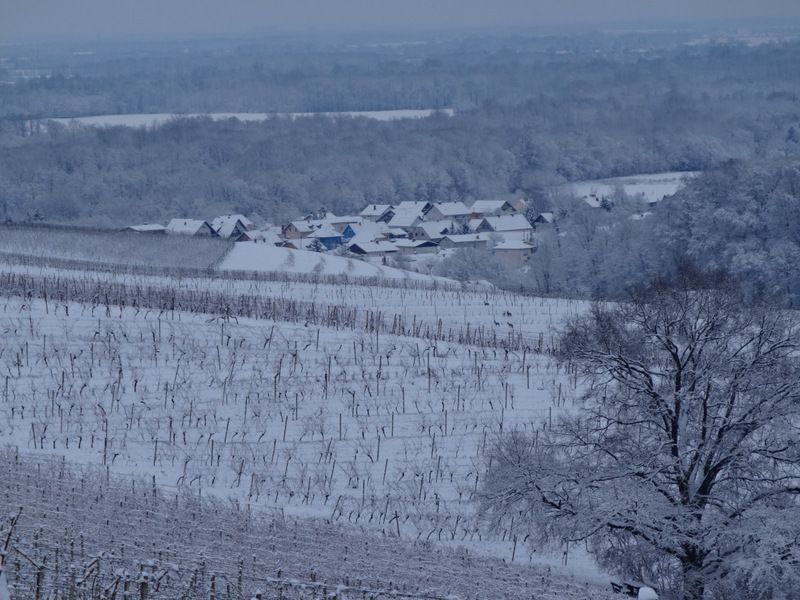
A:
[416, 246]
[466, 240]
[147, 228]
[514, 227]
[194, 227]
[514, 252]
[231, 226]
[545, 218]
[328, 237]
[373, 248]
[297, 229]
[456, 211]
[374, 212]
[490, 208]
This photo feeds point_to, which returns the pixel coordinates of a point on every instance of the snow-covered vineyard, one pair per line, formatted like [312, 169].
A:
[87, 536]
[358, 412]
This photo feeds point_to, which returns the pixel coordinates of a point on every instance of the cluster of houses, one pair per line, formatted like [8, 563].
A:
[384, 230]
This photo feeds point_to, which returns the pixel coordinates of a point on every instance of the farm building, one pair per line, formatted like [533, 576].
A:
[190, 227]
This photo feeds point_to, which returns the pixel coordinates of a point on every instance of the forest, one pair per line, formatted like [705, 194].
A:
[531, 113]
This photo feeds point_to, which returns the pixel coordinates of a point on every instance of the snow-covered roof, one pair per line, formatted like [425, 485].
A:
[219, 222]
[546, 217]
[452, 209]
[147, 228]
[186, 226]
[464, 238]
[435, 229]
[413, 243]
[405, 218]
[592, 201]
[304, 226]
[374, 247]
[326, 232]
[485, 207]
[513, 245]
[508, 223]
[411, 205]
[474, 223]
[268, 236]
[375, 210]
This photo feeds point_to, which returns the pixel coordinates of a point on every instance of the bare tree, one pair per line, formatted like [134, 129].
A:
[681, 461]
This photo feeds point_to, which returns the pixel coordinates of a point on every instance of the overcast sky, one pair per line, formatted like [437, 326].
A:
[89, 19]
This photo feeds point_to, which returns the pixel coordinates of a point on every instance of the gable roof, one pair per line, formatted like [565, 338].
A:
[452, 209]
[224, 220]
[325, 232]
[188, 226]
[375, 210]
[545, 217]
[436, 229]
[485, 207]
[372, 247]
[405, 218]
[508, 223]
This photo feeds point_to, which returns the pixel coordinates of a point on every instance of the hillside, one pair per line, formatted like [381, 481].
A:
[366, 406]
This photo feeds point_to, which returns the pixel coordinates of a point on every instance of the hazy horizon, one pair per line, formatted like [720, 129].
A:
[46, 20]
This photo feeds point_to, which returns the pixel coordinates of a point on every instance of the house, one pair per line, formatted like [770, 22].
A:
[374, 212]
[473, 224]
[231, 226]
[190, 227]
[490, 208]
[545, 218]
[369, 249]
[328, 236]
[514, 226]
[297, 244]
[405, 219]
[341, 223]
[264, 236]
[448, 210]
[514, 252]
[435, 230]
[466, 240]
[417, 246]
[593, 201]
[297, 229]
[147, 228]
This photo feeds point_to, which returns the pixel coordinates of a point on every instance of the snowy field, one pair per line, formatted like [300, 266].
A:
[265, 258]
[157, 119]
[369, 405]
[649, 187]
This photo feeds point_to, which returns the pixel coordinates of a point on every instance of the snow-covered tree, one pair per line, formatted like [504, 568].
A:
[681, 461]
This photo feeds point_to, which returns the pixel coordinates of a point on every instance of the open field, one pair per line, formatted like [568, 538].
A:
[156, 120]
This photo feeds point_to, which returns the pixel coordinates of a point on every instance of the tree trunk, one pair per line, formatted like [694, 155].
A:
[694, 586]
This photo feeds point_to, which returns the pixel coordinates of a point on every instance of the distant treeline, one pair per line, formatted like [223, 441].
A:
[530, 115]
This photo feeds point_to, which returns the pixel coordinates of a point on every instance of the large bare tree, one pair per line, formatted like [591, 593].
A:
[681, 460]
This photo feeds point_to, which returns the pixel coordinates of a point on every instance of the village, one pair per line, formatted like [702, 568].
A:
[405, 232]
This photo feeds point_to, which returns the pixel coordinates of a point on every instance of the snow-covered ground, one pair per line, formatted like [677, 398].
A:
[157, 119]
[652, 187]
[265, 258]
[382, 429]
